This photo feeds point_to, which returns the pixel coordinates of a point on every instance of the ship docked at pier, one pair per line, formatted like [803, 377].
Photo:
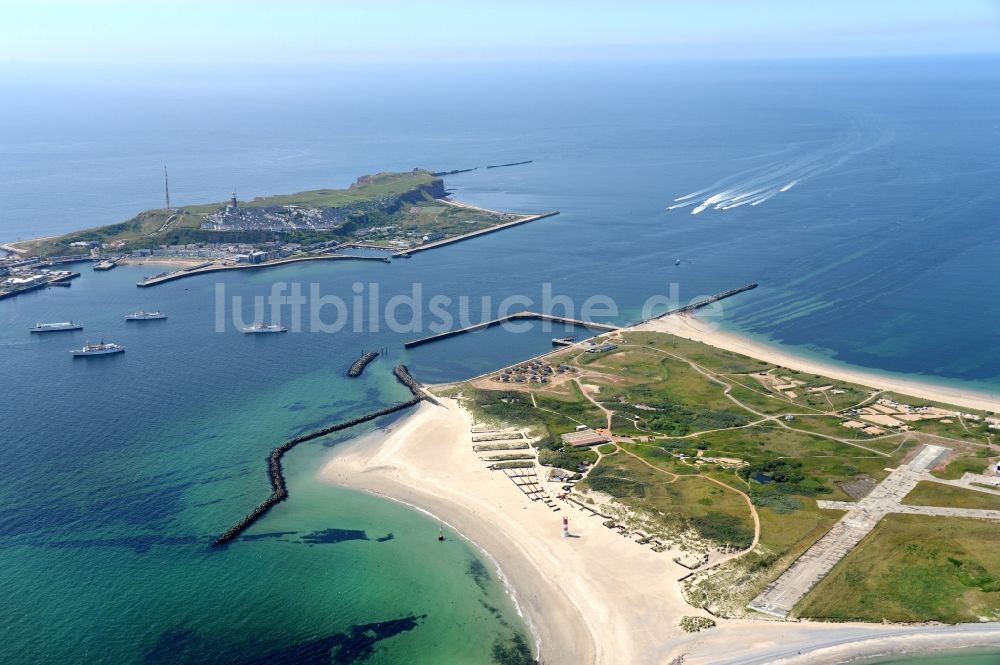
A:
[101, 349]
[59, 326]
[146, 316]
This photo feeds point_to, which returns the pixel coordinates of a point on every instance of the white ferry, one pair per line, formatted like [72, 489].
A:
[258, 328]
[146, 316]
[59, 326]
[98, 349]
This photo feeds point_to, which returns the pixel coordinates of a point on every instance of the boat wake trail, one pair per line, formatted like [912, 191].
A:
[762, 183]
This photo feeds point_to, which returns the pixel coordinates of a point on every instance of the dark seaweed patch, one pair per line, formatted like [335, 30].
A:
[495, 611]
[277, 535]
[328, 536]
[479, 574]
[358, 643]
[513, 652]
[352, 646]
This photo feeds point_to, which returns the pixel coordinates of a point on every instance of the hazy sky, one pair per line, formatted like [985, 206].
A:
[313, 31]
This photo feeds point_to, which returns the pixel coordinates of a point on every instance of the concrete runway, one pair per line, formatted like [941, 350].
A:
[780, 596]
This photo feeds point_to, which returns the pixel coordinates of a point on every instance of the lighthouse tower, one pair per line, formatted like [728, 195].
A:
[565, 527]
[232, 201]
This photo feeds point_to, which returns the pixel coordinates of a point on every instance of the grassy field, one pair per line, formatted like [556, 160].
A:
[370, 188]
[709, 357]
[672, 399]
[683, 502]
[914, 568]
[785, 535]
[928, 493]
[969, 460]
[759, 400]
[687, 414]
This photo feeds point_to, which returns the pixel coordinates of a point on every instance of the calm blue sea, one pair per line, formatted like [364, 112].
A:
[860, 195]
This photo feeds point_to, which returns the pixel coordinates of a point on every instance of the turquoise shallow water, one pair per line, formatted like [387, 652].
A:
[976, 657]
[118, 473]
[126, 470]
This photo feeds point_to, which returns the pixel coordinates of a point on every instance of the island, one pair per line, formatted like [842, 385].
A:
[399, 213]
[783, 510]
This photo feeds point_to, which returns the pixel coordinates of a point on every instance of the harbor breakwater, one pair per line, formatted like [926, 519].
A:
[403, 376]
[279, 489]
[210, 267]
[474, 234]
[704, 302]
[359, 365]
[525, 315]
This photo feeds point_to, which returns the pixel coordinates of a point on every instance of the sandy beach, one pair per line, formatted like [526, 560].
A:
[572, 591]
[595, 597]
[694, 328]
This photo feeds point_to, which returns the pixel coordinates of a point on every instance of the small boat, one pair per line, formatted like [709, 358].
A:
[677, 262]
[146, 316]
[101, 349]
[59, 326]
[264, 328]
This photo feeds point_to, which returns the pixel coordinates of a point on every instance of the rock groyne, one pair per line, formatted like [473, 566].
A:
[279, 490]
[404, 377]
[359, 365]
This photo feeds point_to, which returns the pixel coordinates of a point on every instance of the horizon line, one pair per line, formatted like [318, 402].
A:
[133, 64]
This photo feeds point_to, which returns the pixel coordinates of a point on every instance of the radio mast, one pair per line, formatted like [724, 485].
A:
[166, 186]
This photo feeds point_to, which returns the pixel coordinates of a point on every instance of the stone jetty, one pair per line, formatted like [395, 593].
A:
[359, 365]
[279, 490]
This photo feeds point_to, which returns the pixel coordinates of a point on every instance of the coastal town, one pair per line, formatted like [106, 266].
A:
[396, 214]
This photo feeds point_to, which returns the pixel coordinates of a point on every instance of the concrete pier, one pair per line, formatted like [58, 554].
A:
[511, 317]
[109, 264]
[474, 234]
[190, 272]
[698, 304]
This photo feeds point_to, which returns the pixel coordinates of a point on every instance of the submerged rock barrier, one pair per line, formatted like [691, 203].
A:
[360, 364]
[279, 490]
